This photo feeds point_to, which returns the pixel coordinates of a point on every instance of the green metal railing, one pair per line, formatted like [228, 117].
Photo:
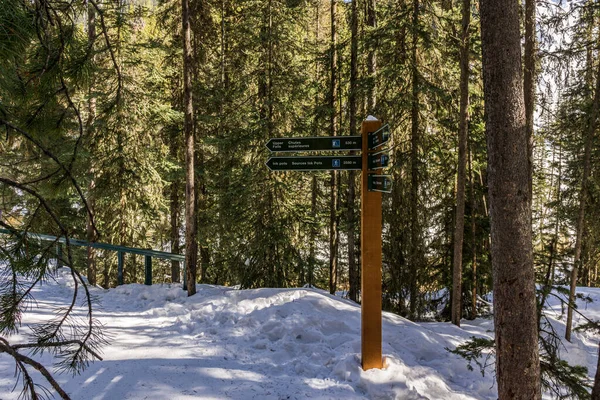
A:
[121, 250]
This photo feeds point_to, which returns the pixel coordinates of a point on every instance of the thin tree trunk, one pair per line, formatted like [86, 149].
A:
[313, 232]
[333, 217]
[174, 211]
[463, 129]
[473, 239]
[90, 232]
[191, 244]
[314, 187]
[414, 168]
[352, 271]
[583, 195]
[175, 186]
[371, 60]
[516, 333]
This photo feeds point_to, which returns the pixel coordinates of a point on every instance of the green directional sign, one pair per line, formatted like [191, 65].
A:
[328, 143]
[314, 163]
[379, 160]
[379, 137]
[380, 183]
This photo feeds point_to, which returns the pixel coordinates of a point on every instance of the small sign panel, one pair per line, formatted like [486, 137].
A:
[378, 161]
[379, 137]
[380, 183]
[314, 163]
[325, 143]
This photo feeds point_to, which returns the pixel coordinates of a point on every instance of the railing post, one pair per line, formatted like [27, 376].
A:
[120, 268]
[148, 268]
[184, 275]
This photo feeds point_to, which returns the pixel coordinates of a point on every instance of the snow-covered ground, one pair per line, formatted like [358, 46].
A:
[267, 344]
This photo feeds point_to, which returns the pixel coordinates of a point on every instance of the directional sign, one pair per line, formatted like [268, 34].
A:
[380, 183]
[314, 163]
[379, 137]
[323, 143]
[379, 160]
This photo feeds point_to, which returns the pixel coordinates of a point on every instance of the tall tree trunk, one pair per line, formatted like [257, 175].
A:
[473, 239]
[314, 187]
[371, 60]
[414, 168]
[174, 205]
[463, 129]
[174, 211]
[191, 244]
[517, 355]
[90, 232]
[583, 195]
[352, 268]
[333, 206]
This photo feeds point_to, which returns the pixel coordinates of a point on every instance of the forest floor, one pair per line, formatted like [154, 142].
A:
[224, 343]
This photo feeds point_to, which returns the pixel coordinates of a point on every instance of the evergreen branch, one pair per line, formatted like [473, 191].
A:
[61, 165]
[57, 344]
[6, 348]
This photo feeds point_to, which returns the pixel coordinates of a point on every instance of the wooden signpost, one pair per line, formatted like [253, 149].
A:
[373, 135]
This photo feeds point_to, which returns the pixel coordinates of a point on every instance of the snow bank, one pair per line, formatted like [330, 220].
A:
[257, 344]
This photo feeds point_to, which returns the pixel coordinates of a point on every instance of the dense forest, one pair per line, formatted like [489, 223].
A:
[123, 125]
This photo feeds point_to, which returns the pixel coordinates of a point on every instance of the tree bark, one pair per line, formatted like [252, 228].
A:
[517, 355]
[463, 129]
[333, 206]
[191, 244]
[529, 80]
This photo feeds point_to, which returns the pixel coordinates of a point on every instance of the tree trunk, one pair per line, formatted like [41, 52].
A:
[463, 129]
[314, 187]
[352, 271]
[414, 168]
[191, 244]
[174, 208]
[371, 60]
[473, 239]
[90, 232]
[333, 206]
[517, 356]
[313, 232]
[175, 186]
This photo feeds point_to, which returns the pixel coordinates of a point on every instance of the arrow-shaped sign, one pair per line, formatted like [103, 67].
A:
[380, 183]
[324, 143]
[379, 160]
[314, 163]
[379, 137]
